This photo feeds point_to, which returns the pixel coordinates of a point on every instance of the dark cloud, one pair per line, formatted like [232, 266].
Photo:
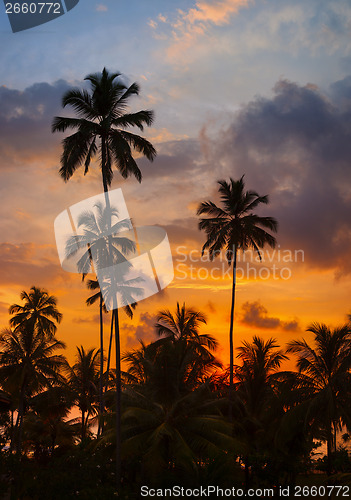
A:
[255, 314]
[93, 319]
[25, 120]
[183, 231]
[175, 159]
[296, 147]
[144, 331]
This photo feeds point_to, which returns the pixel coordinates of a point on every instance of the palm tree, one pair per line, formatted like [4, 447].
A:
[179, 361]
[234, 227]
[100, 235]
[171, 418]
[83, 381]
[100, 128]
[324, 374]
[184, 325]
[257, 402]
[27, 365]
[39, 309]
[46, 425]
[172, 440]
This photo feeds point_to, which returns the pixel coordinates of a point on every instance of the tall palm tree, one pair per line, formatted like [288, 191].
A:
[324, 373]
[39, 310]
[27, 365]
[101, 131]
[100, 128]
[106, 247]
[234, 227]
[83, 381]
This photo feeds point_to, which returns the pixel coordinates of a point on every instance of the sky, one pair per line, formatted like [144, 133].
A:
[239, 87]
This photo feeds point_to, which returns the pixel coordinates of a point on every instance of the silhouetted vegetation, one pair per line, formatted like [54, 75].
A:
[174, 411]
[174, 415]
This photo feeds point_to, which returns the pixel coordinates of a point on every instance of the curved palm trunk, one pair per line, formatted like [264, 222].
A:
[231, 341]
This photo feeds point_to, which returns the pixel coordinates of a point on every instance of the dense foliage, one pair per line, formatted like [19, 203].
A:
[175, 424]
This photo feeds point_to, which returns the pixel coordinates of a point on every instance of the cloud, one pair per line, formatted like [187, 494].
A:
[4, 307]
[255, 314]
[217, 12]
[145, 330]
[186, 27]
[93, 319]
[101, 8]
[25, 122]
[296, 146]
[27, 264]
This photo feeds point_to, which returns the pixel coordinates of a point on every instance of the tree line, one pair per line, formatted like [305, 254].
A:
[178, 425]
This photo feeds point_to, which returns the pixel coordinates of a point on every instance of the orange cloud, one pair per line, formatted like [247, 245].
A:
[215, 12]
[193, 24]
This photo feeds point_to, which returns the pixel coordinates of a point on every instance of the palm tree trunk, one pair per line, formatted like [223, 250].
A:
[329, 450]
[118, 401]
[109, 351]
[20, 420]
[101, 385]
[231, 341]
[11, 430]
[115, 309]
[83, 425]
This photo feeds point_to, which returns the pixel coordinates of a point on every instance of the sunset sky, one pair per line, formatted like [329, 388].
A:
[261, 88]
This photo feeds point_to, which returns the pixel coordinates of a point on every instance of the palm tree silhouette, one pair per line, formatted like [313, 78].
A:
[83, 382]
[171, 418]
[27, 365]
[257, 401]
[183, 328]
[101, 130]
[179, 360]
[234, 227]
[39, 311]
[46, 425]
[324, 372]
